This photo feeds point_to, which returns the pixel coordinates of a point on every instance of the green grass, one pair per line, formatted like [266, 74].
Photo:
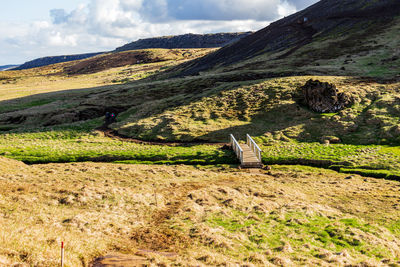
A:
[79, 142]
[391, 175]
[76, 146]
[297, 228]
[377, 158]
[394, 227]
[210, 108]
[35, 103]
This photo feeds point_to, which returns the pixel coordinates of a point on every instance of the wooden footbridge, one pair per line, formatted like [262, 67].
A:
[249, 154]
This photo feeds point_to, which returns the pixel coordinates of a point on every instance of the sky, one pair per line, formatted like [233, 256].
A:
[32, 29]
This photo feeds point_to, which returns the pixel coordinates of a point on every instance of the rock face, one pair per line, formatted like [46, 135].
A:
[323, 97]
[185, 41]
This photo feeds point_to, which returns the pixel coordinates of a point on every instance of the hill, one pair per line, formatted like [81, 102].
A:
[352, 37]
[44, 61]
[166, 42]
[161, 184]
[235, 96]
[7, 67]
[185, 41]
[100, 70]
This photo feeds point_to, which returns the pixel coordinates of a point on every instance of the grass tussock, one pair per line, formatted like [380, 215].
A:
[268, 107]
[206, 215]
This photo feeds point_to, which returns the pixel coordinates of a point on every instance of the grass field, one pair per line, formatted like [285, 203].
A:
[361, 139]
[70, 146]
[205, 215]
[84, 144]
[102, 195]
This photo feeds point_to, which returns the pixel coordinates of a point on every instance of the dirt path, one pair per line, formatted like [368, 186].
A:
[123, 260]
[115, 135]
[114, 260]
[156, 236]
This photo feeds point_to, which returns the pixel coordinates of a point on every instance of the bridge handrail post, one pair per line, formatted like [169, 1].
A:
[254, 147]
[236, 147]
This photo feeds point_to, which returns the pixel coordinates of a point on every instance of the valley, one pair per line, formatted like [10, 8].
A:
[162, 186]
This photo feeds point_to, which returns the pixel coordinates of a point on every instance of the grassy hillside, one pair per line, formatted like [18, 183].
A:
[60, 127]
[213, 216]
[107, 69]
[211, 107]
[350, 38]
[93, 191]
[268, 107]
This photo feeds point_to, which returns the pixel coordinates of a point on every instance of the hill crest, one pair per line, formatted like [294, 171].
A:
[327, 30]
[45, 61]
[185, 41]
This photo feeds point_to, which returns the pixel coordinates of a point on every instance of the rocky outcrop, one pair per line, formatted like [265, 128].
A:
[323, 97]
[185, 41]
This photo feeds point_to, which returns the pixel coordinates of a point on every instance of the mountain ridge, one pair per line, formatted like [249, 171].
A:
[189, 40]
[185, 41]
[49, 60]
[7, 67]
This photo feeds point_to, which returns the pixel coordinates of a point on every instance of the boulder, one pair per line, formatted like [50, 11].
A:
[323, 97]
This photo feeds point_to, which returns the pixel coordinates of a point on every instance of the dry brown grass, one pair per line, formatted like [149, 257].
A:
[208, 216]
[53, 78]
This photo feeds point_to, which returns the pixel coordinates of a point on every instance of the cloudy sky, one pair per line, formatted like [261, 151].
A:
[31, 29]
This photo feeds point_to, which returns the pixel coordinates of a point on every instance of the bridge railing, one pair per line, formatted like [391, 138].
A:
[254, 147]
[236, 147]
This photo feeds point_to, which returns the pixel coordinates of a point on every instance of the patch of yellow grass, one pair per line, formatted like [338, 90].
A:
[100, 208]
[15, 84]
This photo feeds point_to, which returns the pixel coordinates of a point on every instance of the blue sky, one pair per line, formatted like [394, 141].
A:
[31, 29]
[30, 10]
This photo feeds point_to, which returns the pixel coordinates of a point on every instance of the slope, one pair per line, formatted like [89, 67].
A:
[185, 41]
[104, 69]
[336, 37]
[45, 61]
[238, 98]
[7, 67]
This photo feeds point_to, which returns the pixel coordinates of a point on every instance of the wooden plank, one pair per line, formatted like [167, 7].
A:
[248, 155]
[249, 158]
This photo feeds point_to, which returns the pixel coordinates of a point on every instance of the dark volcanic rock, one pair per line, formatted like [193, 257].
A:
[323, 97]
[185, 41]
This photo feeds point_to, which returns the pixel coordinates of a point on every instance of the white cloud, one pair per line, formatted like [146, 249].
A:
[285, 9]
[58, 39]
[261, 10]
[105, 24]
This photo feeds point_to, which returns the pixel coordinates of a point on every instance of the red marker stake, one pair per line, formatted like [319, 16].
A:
[62, 254]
